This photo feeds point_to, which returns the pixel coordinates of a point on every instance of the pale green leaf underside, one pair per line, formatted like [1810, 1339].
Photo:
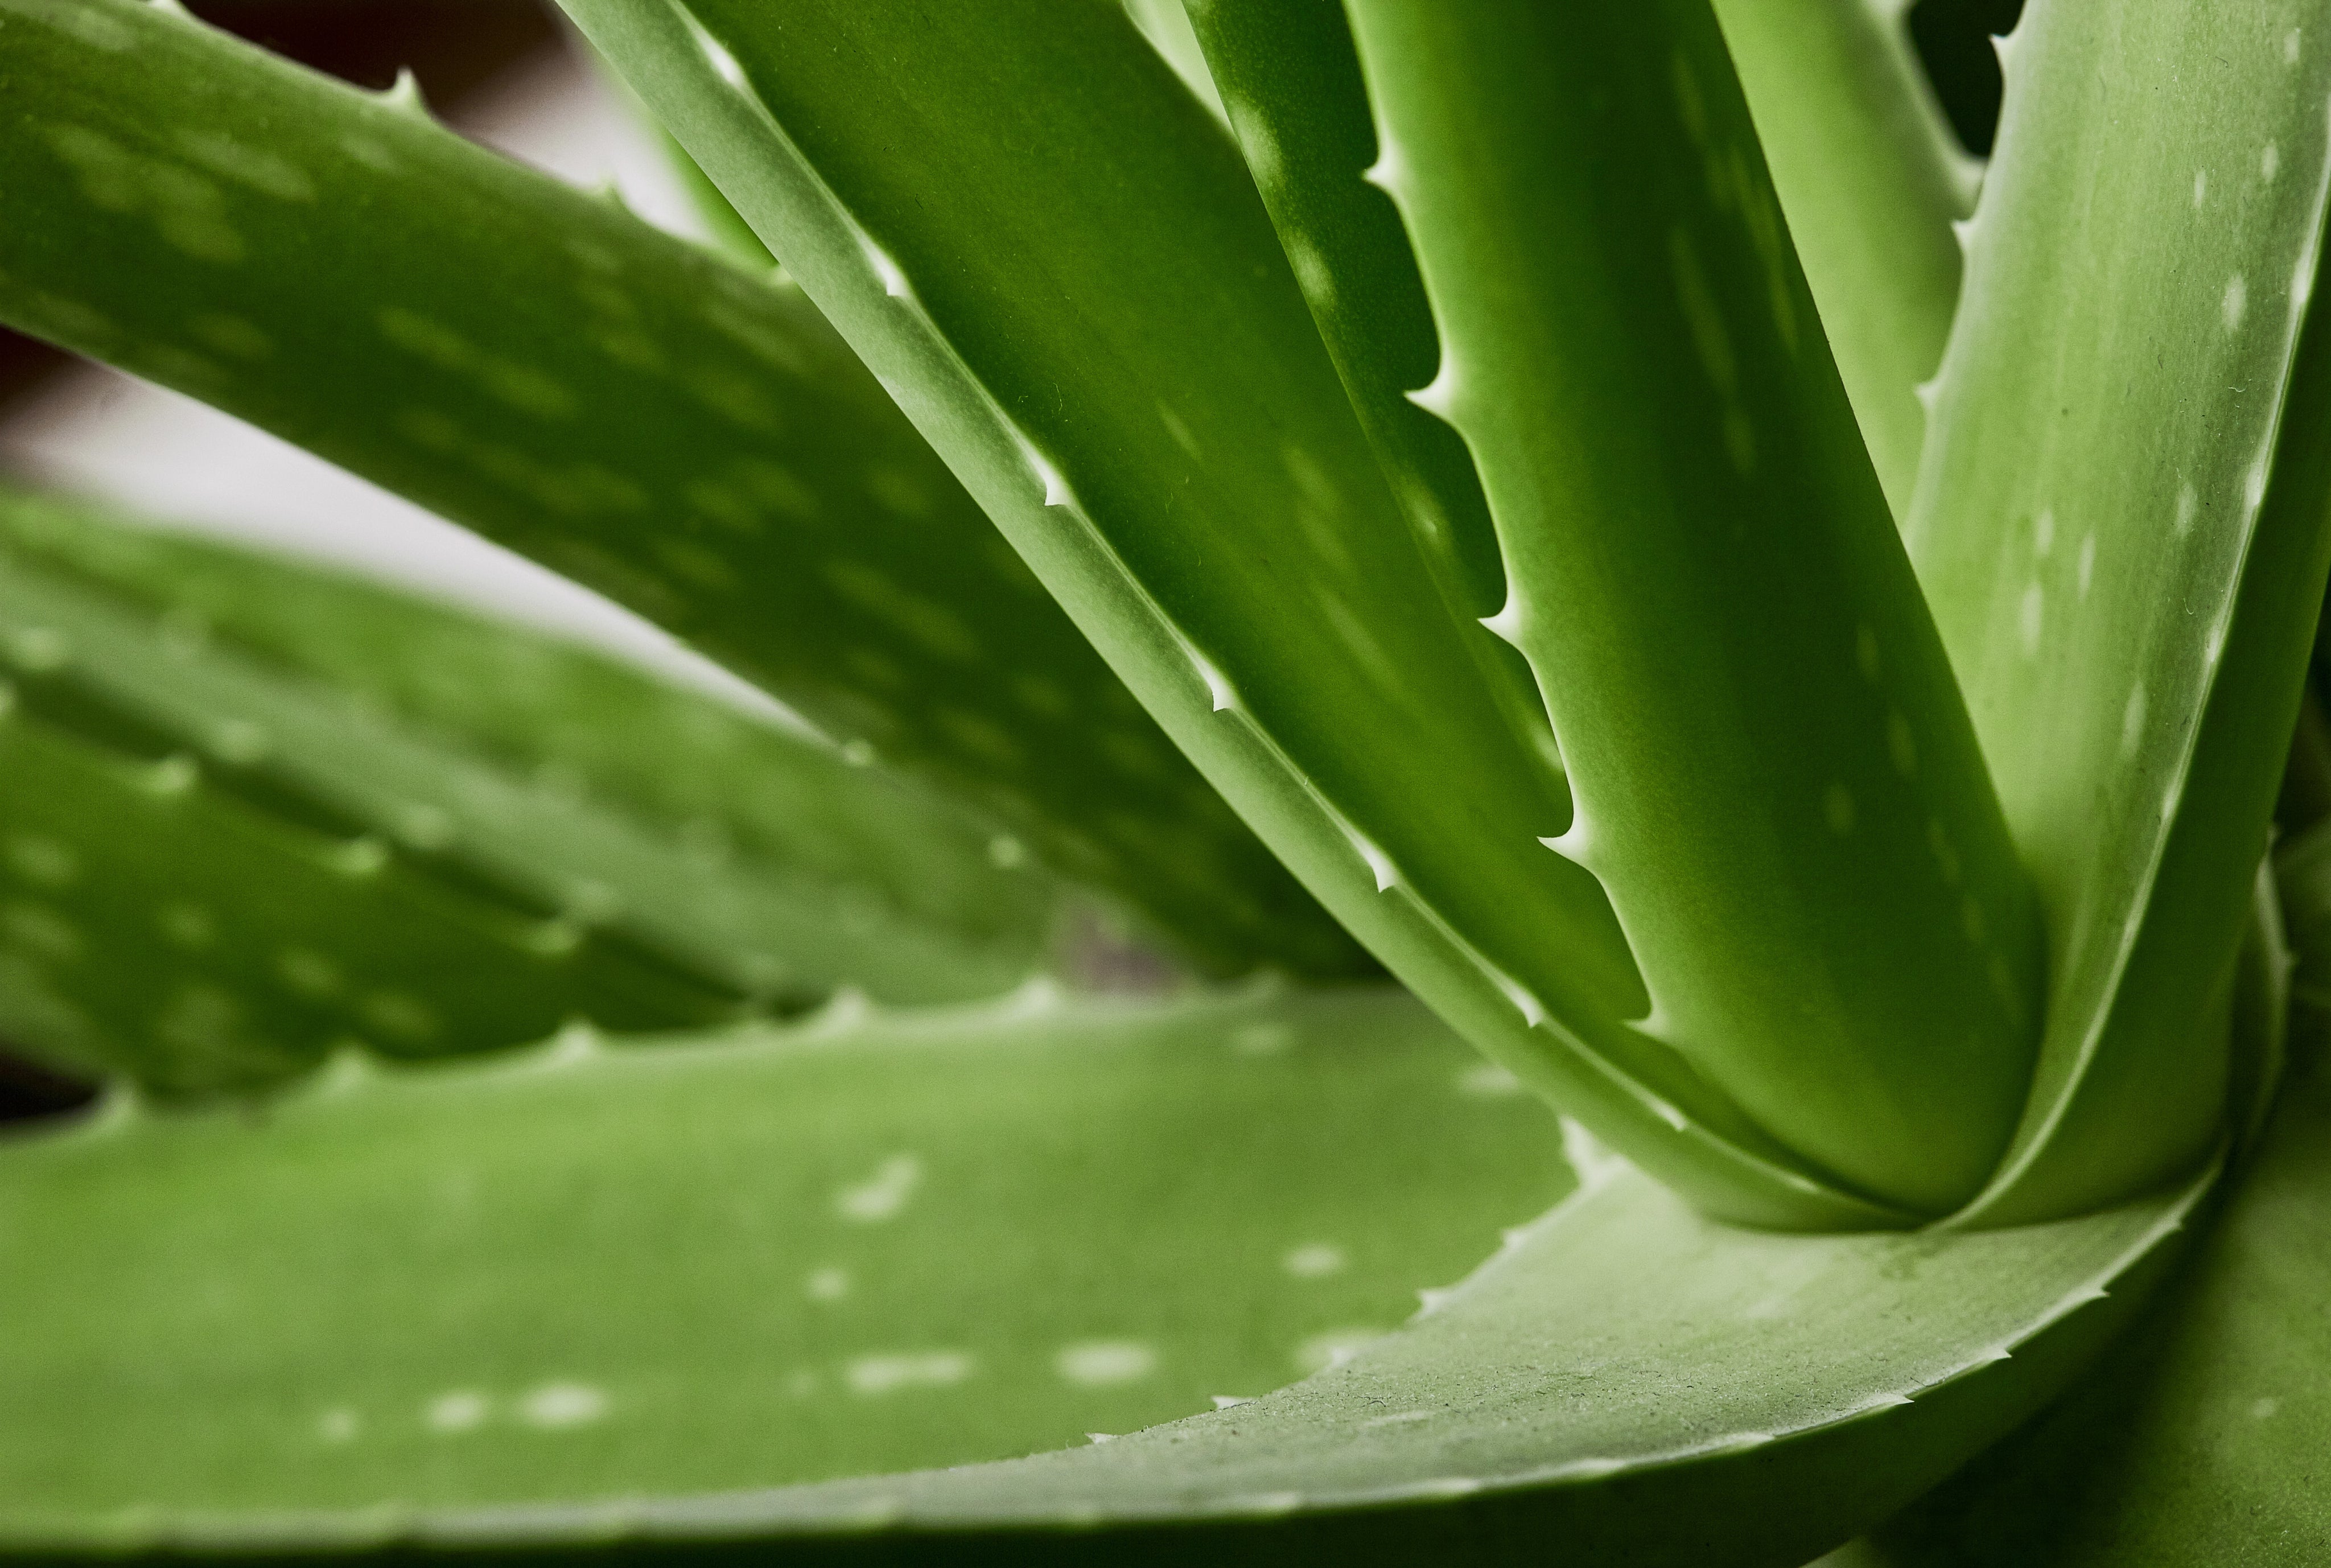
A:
[726, 1262]
[1870, 179]
[619, 405]
[2120, 521]
[1214, 520]
[1627, 1379]
[222, 861]
[1775, 780]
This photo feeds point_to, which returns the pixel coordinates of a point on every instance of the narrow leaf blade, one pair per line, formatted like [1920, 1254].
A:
[2120, 522]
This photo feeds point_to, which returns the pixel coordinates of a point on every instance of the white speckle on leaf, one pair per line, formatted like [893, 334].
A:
[556, 1406]
[2132, 719]
[1837, 809]
[881, 1374]
[1488, 1081]
[1901, 745]
[2265, 1409]
[2085, 573]
[2290, 47]
[340, 1425]
[2270, 162]
[827, 1284]
[461, 1410]
[1105, 1363]
[2201, 189]
[1261, 1039]
[1314, 1260]
[2029, 617]
[43, 862]
[2235, 302]
[2188, 506]
[882, 1195]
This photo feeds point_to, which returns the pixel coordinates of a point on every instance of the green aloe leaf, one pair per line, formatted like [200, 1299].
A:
[228, 852]
[2200, 1438]
[1213, 518]
[1776, 781]
[726, 1261]
[1871, 179]
[495, 1365]
[619, 405]
[1301, 117]
[2120, 521]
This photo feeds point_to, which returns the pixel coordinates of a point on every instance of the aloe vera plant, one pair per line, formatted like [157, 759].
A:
[1690, 683]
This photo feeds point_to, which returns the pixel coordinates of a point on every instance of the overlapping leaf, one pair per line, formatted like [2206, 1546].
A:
[1776, 781]
[726, 1261]
[622, 405]
[2120, 521]
[1870, 179]
[253, 811]
[1086, 309]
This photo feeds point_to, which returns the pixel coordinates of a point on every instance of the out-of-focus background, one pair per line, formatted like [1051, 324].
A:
[508, 74]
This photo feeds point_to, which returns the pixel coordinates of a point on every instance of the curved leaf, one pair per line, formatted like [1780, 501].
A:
[1214, 519]
[619, 405]
[221, 860]
[1628, 1379]
[1775, 780]
[2121, 523]
[877, 1242]
[1301, 117]
[2199, 1438]
[1871, 179]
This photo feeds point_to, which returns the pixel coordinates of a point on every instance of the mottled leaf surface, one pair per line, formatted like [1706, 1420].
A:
[622, 405]
[1775, 780]
[256, 810]
[2120, 522]
[727, 1261]
[1626, 1378]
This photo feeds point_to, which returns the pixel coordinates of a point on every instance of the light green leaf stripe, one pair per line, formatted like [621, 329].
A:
[1870, 178]
[217, 869]
[1775, 780]
[619, 405]
[1301, 116]
[1214, 519]
[2120, 522]
[1626, 1378]
[581, 1277]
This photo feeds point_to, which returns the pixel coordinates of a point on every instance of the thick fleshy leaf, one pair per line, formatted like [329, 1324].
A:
[1870, 178]
[618, 403]
[2201, 1437]
[582, 1277]
[1301, 117]
[254, 811]
[1135, 388]
[1775, 780]
[1628, 1379]
[2121, 523]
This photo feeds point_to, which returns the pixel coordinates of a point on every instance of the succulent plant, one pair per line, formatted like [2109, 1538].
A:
[1540, 556]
